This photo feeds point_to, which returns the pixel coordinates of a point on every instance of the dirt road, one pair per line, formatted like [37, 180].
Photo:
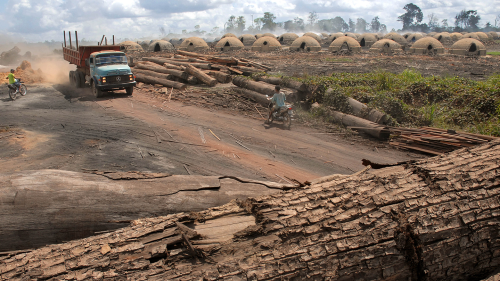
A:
[59, 127]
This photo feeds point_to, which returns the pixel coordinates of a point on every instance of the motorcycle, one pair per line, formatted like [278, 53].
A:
[285, 114]
[14, 90]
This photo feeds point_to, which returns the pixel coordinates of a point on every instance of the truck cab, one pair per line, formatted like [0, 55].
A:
[109, 71]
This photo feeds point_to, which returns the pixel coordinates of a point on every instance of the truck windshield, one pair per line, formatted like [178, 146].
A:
[110, 59]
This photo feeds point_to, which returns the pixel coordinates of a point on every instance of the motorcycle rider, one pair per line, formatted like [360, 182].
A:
[12, 80]
[278, 100]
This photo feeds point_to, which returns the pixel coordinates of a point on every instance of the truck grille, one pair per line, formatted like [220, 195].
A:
[117, 79]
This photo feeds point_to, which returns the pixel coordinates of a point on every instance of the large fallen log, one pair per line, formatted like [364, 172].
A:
[201, 75]
[289, 83]
[363, 111]
[174, 72]
[435, 219]
[140, 77]
[35, 215]
[261, 87]
[194, 64]
[257, 97]
[191, 54]
[247, 71]
[171, 66]
[360, 124]
[162, 61]
[255, 64]
[220, 76]
[153, 73]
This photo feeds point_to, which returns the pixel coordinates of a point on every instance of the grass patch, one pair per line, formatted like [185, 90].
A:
[493, 53]
[413, 100]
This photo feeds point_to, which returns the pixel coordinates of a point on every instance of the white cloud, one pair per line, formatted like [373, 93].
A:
[40, 20]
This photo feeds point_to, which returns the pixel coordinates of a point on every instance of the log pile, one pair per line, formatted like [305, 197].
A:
[418, 221]
[435, 141]
[192, 68]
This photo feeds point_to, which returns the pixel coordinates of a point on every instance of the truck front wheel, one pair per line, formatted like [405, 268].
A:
[97, 92]
[130, 90]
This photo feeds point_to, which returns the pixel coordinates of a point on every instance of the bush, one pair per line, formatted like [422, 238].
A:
[413, 100]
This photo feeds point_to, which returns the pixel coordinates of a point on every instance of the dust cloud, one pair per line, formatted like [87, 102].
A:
[46, 61]
[54, 68]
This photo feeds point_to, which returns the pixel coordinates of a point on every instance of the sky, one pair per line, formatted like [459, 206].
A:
[41, 20]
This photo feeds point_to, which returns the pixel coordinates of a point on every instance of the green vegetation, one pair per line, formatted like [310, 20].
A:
[413, 100]
[493, 53]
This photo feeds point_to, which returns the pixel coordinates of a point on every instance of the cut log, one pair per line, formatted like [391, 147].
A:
[197, 60]
[155, 80]
[234, 70]
[60, 210]
[261, 87]
[361, 110]
[190, 54]
[292, 84]
[247, 71]
[360, 124]
[257, 97]
[201, 76]
[157, 60]
[162, 61]
[174, 72]
[419, 221]
[256, 64]
[193, 80]
[228, 61]
[153, 74]
[180, 60]
[171, 66]
[220, 76]
[194, 64]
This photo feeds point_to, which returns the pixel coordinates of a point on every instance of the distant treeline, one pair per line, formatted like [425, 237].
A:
[412, 21]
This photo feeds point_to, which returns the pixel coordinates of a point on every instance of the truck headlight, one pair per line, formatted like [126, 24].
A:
[131, 77]
[103, 79]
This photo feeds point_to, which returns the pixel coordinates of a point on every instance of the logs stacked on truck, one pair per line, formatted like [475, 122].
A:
[435, 141]
[192, 68]
[434, 219]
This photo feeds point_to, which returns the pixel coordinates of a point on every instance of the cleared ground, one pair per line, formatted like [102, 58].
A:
[59, 127]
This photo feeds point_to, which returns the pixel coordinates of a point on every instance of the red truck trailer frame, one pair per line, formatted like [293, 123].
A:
[78, 55]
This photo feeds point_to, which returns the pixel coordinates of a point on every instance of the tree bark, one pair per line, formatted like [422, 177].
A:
[201, 76]
[434, 219]
[292, 84]
[257, 97]
[174, 72]
[140, 77]
[191, 54]
[363, 111]
[261, 87]
[247, 71]
[220, 76]
[153, 74]
[162, 61]
[360, 124]
[267, 68]
[35, 215]
[171, 66]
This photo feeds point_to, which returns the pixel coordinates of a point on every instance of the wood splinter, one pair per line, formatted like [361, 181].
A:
[184, 229]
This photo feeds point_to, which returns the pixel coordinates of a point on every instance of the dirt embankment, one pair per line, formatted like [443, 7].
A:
[27, 73]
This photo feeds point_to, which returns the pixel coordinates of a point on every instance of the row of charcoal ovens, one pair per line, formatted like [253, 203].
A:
[432, 43]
